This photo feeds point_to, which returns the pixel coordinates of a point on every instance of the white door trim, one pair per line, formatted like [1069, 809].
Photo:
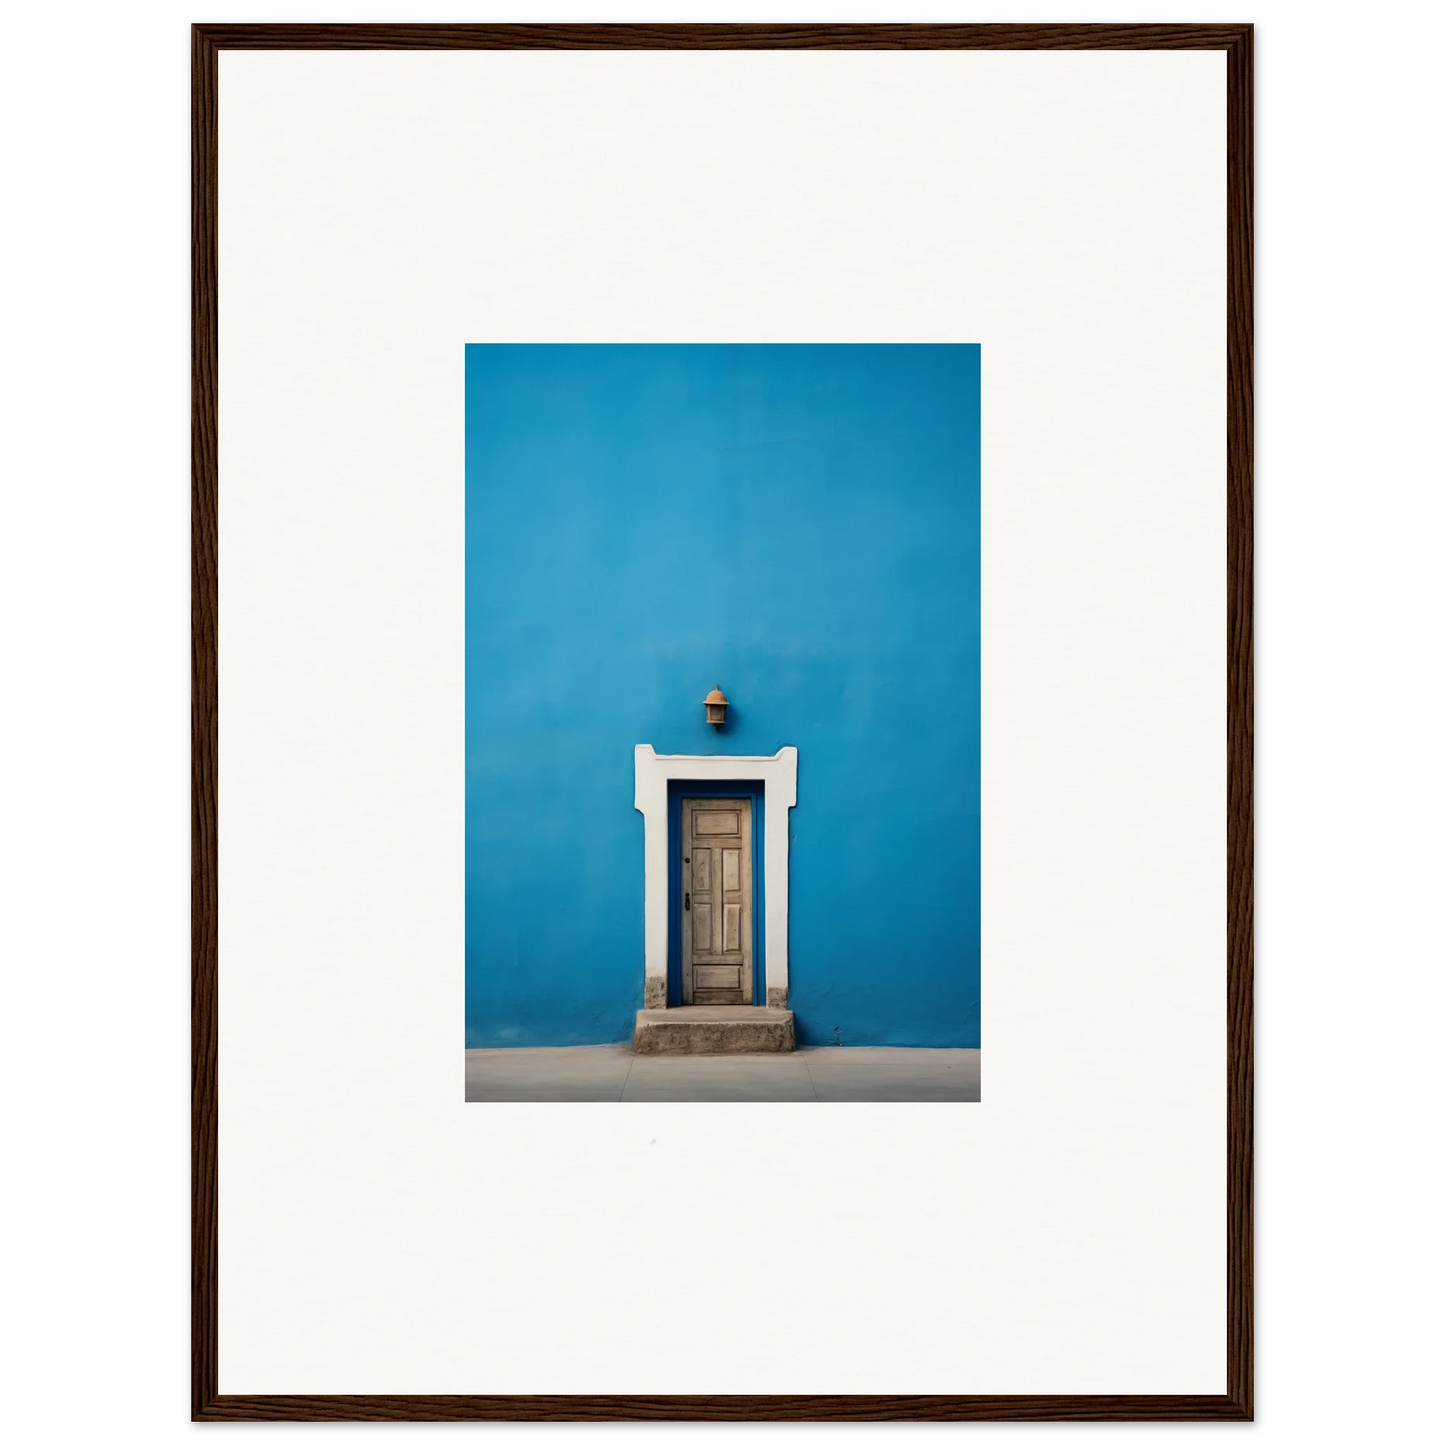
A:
[779, 776]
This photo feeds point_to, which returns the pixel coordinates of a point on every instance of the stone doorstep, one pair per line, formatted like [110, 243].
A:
[716, 1030]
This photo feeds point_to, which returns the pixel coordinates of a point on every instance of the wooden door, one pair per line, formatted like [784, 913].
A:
[717, 901]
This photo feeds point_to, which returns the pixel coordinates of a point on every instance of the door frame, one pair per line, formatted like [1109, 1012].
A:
[677, 790]
[779, 777]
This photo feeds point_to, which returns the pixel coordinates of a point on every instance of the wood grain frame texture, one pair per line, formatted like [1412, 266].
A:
[1238, 1401]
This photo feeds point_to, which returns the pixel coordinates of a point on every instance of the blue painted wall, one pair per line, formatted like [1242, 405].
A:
[796, 523]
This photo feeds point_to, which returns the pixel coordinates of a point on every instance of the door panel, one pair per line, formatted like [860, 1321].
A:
[708, 823]
[702, 927]
[705, 976]
[732, 927]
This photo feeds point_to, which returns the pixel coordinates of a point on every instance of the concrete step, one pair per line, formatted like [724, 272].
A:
[714, 1030]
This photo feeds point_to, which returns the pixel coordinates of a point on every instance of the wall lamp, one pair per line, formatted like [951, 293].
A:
[717, 706]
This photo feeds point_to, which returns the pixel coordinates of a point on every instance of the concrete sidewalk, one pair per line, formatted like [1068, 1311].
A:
[612, 1072]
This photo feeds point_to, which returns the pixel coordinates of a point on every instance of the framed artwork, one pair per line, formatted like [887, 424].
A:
[722, 578]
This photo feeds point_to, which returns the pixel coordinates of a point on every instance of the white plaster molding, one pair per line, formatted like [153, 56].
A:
[779, 776]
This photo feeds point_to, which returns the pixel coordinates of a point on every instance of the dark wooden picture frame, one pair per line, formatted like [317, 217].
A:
[1237, 1403]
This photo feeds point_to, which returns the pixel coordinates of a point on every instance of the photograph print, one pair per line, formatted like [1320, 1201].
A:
[722, 723]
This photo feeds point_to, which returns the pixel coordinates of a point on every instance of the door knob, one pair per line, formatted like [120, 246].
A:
[687, 900]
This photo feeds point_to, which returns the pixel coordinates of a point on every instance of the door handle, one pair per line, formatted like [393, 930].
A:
[687, 900]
